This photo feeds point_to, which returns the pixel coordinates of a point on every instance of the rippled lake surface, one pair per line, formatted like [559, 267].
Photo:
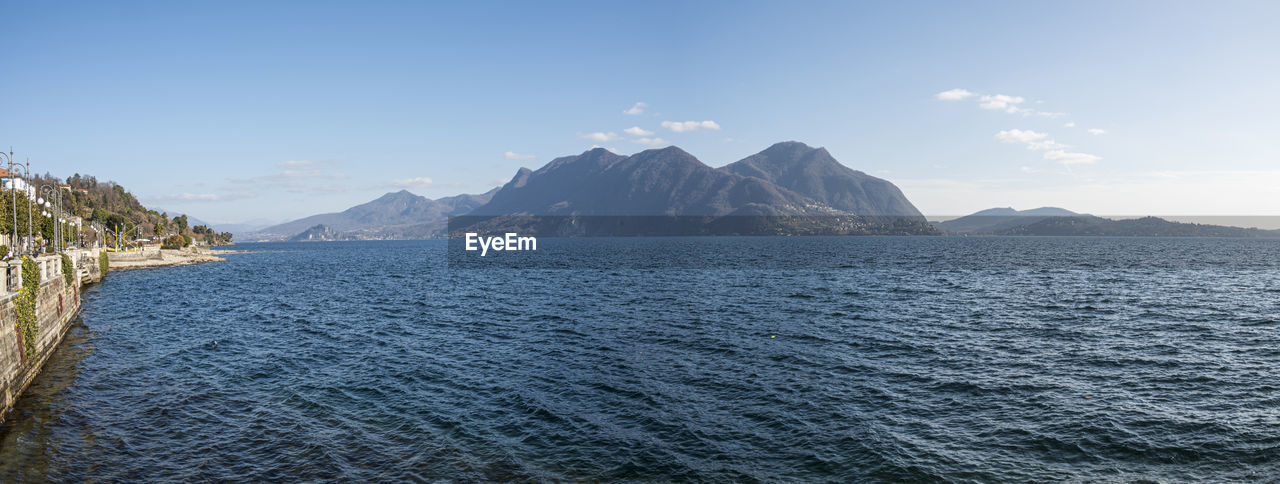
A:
[840, 359]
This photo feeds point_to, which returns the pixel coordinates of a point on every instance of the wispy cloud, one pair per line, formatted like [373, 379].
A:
[511, 155]
[1097, 131]
[295, 163]
[1008, 104]
[417, 182]
[1070, 124]
[187, 197]
[998, 102]
[635, 109]
[651, 141]
[1067, 158]
[611, 150]
[680, 127]
[600, 136]
[203, 197]
[637, 131]
[1033, 140]
[1020, 136]
[953, 95]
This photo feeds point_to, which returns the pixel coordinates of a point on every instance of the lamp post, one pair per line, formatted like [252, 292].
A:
[53, 210]
[26, 174]
[13, 233]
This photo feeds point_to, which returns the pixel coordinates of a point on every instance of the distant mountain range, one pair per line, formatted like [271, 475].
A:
[396, 215]
[1052, 221]
[993, 220]
[320, 233]
[796, 187]
[787, 189]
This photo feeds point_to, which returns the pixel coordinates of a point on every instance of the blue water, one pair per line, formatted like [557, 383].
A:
[841, 359]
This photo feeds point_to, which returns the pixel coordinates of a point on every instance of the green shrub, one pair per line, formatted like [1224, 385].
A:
[68, 271]
[4, 251]
[173, 242]
[103, 263]
[24, 306]
[186, 240]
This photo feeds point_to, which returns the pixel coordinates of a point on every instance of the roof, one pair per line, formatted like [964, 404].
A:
[5, 173]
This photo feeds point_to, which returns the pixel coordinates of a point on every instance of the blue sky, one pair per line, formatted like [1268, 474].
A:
[232, 111]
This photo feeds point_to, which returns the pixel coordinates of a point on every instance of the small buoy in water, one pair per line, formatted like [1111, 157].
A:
[773, 336]
[215, 343]
[1086, 397]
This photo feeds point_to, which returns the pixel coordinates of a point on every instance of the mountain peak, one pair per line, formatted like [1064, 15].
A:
[789, 146]
[814, 173]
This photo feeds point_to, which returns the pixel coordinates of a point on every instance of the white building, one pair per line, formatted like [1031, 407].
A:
[10, 181]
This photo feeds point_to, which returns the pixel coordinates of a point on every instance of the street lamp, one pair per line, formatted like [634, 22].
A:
[52, 201]
[13, 181]
[13, 233]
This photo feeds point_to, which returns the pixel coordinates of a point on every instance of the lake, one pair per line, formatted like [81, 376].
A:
[702, 358]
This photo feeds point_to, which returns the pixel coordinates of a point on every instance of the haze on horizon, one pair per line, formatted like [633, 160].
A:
[239, 111]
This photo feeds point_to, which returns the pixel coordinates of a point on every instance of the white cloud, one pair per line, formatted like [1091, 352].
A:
[1032, 139]
[1070, 124]
[953, 95]
[1067, 158]
[511, 155]
[680, 127]
[600, 136]
[637, 131]
[187, 197]
[650, 141]
[635, 109]
[418, 182]
[1097, 131]
[295, 163]
[1002, 102]
[611, 150]
[1027, 169]
[1048, 114]
[1020, 136]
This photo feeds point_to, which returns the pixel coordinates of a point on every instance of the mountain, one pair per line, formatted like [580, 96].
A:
[320, 233]
[394, 215]
[244, 227]
[1139, 227]
[814, 173]
[993, 220]
[789, 188]
[658, 182]
[670, 192]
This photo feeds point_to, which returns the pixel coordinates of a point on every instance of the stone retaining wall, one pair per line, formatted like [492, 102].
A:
[56, 308]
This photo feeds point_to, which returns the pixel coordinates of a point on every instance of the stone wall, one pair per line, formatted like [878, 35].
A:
[56, 308]
[143, 253]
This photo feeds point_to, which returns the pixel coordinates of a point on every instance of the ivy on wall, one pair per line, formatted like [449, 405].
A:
[68, 271]
[24, 306]
[103, 263]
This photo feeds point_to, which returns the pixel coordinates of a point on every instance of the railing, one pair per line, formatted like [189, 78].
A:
[12, 276]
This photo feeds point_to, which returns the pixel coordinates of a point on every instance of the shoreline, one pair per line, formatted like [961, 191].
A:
[171, 258]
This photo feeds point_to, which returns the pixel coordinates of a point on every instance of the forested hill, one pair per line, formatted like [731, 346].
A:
[111, 205]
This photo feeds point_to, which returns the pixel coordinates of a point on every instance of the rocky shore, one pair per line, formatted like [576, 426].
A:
[167, 258]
